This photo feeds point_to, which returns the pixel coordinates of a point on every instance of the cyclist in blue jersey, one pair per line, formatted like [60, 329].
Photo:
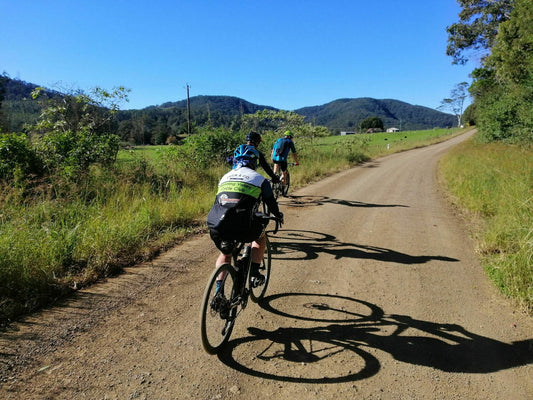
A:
[282, 147]
[232, 216]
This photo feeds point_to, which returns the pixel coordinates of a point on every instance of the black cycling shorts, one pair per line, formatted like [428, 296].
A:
[282, 165]
[253, 234]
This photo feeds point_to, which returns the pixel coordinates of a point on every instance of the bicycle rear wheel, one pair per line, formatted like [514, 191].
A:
[276, 188]
[257, 293]
[218, 316]
[285, 189]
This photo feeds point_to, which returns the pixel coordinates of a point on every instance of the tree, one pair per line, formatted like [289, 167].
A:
[477, 27]
[75, 130]
[269, 120]
[469, 115]
[456, 102]
[503, 87]
[372, 123]
[3, 83]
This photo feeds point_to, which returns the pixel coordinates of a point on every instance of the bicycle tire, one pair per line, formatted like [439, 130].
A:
[215, 329]
[257, 293]
[285, 189]
[276, 188]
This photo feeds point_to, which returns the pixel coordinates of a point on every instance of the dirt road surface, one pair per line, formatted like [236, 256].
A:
[376, 293]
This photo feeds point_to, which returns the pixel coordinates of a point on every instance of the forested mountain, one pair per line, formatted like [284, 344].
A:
[221, 104]
[16, 105]
[347, 114]
[154, 124]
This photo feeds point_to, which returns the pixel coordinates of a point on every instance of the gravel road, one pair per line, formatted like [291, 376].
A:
[376, 293]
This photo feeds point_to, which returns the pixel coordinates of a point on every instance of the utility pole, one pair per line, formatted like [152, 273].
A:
[188, 112]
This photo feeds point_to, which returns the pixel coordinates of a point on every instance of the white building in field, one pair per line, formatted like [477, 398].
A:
[392, 130]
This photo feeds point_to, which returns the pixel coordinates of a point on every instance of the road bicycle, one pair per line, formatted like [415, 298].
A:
[278, 188]
[220, 307]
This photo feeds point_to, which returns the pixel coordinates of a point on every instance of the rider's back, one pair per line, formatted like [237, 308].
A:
[281, 149]
[238, 193]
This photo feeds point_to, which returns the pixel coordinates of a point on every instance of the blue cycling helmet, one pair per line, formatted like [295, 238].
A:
[245, 156]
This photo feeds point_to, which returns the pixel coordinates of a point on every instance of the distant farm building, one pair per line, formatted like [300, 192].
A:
[391, 130]
[344, 133]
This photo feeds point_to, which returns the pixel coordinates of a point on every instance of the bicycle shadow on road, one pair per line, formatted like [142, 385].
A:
[344, 345]
[309, 201]
[308, 245]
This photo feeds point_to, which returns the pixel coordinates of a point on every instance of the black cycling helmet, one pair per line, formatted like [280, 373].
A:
[245, 156]
[254, 137]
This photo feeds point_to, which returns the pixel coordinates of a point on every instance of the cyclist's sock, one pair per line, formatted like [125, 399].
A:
[255, 268]
[219, 286]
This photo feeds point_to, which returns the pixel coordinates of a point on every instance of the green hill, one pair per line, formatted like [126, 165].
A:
[221, 104]
[155, 123]
[347, 114]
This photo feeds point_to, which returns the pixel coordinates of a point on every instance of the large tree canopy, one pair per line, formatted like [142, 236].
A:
[503, 86]
[477, 27]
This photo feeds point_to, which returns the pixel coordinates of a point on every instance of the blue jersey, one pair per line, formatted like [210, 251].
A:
[281, 149]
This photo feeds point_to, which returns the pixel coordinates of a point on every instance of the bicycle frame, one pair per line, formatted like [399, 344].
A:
[279, 188]
[242, 262]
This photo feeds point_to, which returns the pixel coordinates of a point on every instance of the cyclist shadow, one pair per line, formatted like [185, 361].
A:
[443, 346]
[308, 245]
[312, 201]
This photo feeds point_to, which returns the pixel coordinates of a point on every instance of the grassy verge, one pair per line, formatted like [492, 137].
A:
[58, 236]
[495, 183]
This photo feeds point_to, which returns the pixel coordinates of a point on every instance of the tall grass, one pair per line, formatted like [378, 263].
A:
[69, 235]
[59, 235]
[495, 182]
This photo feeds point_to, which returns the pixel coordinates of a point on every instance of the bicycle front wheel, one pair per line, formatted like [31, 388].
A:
[257, 293]
[218, 315]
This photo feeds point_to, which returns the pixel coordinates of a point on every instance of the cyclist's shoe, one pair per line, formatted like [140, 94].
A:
[257, 280]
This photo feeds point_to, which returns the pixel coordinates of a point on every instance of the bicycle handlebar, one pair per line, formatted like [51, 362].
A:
[273, 218]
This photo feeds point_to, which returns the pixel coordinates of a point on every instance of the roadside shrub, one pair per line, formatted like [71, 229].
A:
[17, 158]
[206, 148]
[72, 152]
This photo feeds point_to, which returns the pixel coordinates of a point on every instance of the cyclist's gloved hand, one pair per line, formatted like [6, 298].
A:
[275, 179]
[279, 216]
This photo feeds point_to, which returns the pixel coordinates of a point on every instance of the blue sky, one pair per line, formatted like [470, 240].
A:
[282, 53]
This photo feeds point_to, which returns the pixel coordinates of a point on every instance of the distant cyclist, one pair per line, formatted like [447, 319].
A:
[282, 147]
[254, 139]
[232, 215]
